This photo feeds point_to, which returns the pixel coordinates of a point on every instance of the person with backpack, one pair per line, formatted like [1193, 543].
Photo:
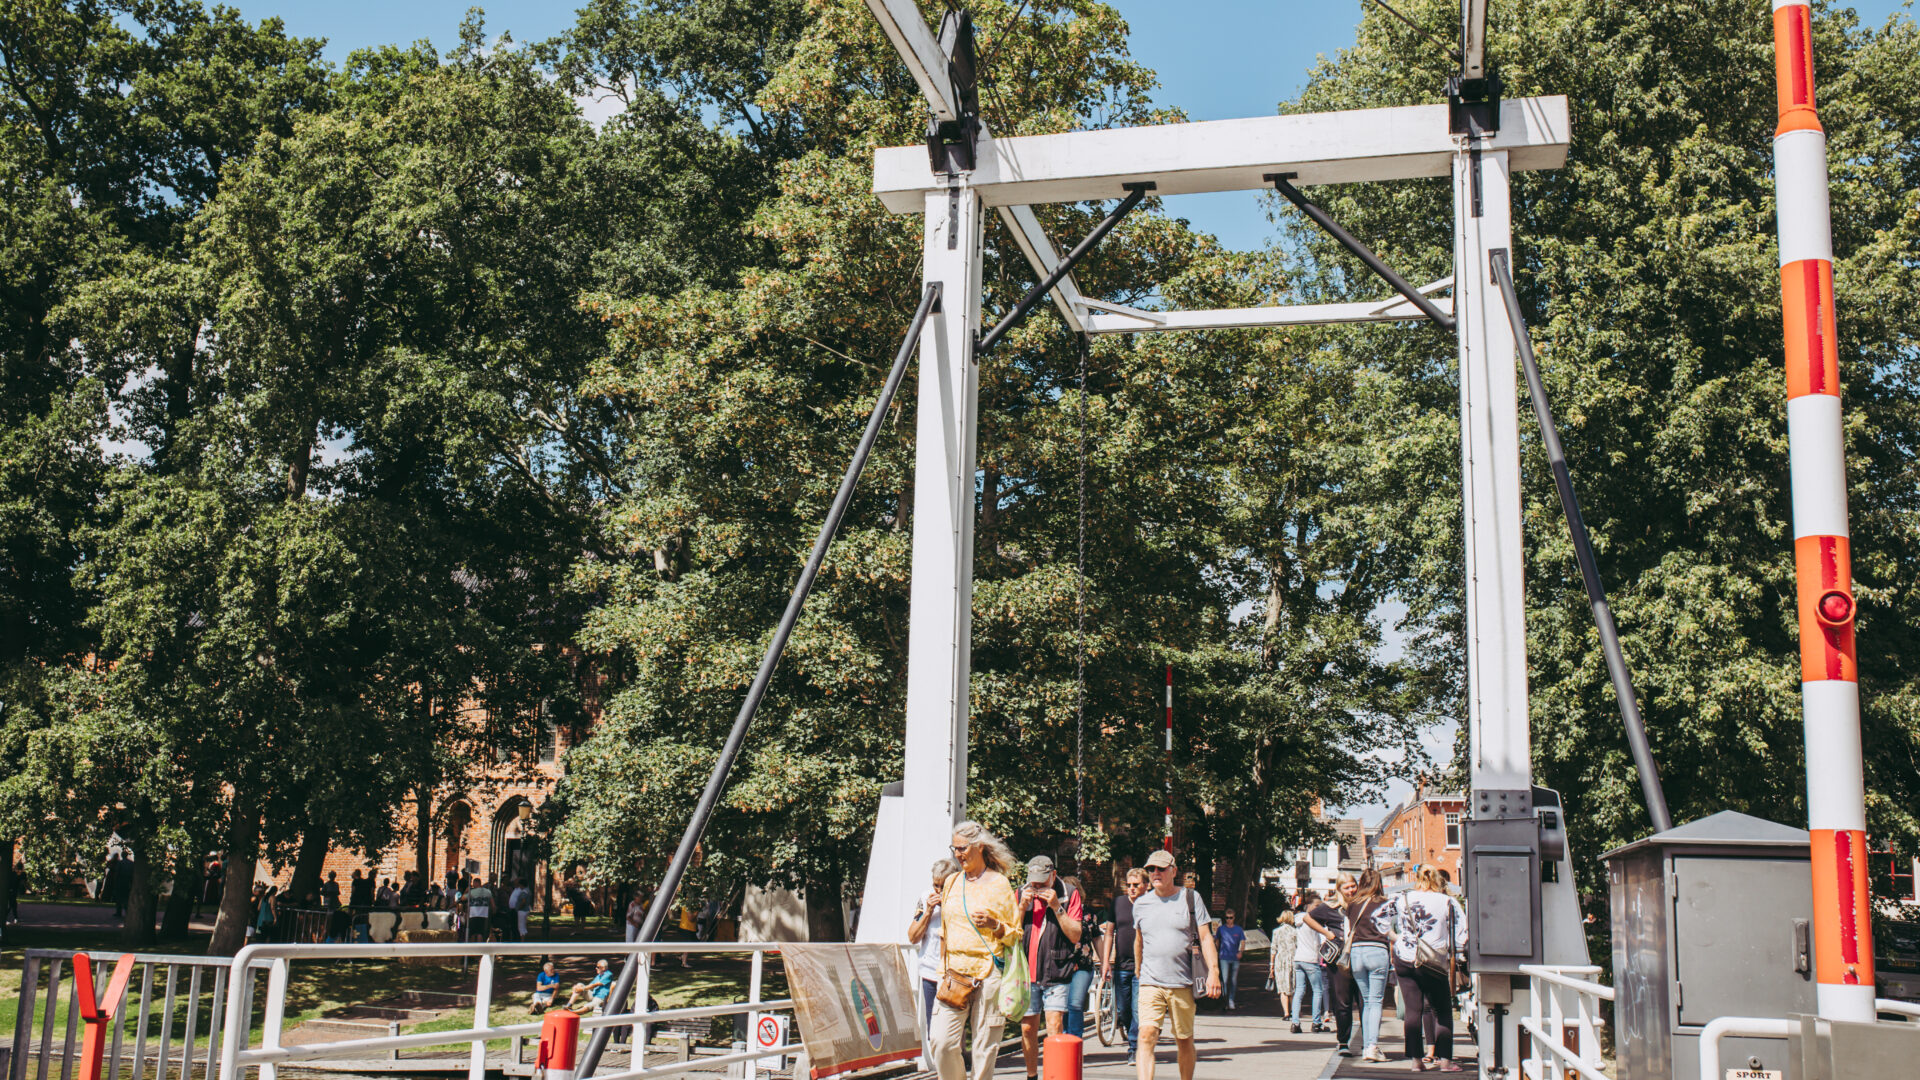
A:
[1085, 960]
[1054, 919]
[1168, 923]
[1430, 936]
[1311, 986]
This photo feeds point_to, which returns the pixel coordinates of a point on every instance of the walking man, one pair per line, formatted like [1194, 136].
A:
[480, 906]
[1054, 916]
[1168, 921]
[1232, 938]
[1116, 961]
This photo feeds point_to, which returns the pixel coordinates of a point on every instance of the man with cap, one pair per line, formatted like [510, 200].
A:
[1167, 922]
[1053, 913]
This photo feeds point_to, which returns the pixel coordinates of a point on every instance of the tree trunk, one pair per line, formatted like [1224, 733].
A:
[177, 922]
[826, 915]
[236, 901]
[423, 833]
[1244, 872]
[6, 879]
[136, 932]
[314, 845]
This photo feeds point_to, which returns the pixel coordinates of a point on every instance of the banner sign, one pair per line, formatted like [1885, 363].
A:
[855, 1005]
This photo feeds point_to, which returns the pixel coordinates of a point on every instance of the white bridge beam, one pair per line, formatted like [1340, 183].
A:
[1226, 155]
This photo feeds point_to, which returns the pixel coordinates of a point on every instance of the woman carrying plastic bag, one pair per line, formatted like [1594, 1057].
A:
[983, 973]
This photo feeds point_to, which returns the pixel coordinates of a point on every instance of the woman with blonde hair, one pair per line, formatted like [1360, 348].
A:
[1280, 959]
[1426, 915]
[980, 922]
[1368, 956]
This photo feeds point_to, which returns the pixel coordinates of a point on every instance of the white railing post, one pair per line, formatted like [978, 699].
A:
[1557, 1018]
[482, 1008]
[753, 998]
[1530, 1065]
[1589, 1031]
[641, 983]
[276, 1014]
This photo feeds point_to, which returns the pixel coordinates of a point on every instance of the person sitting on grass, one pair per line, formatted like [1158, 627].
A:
[545, 985]
[596, 990]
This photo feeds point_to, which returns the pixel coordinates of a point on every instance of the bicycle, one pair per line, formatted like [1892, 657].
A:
[1103, 1013]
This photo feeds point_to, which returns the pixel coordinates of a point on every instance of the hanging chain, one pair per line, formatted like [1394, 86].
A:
[1080, 633]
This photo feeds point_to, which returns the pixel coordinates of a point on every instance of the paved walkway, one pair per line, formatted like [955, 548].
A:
[1253, 1043]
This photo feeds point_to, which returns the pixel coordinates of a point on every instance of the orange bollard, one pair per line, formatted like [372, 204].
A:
[559, 1041]
[1062, 1056]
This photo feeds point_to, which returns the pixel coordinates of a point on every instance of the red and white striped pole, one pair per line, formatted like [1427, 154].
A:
[1166, 841]
[1829, 683]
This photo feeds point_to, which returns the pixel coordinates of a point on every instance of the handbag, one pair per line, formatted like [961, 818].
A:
[955, 990]
[1196, 967]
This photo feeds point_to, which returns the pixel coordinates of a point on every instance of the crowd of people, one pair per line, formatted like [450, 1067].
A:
[479, 909]
[1161, 951]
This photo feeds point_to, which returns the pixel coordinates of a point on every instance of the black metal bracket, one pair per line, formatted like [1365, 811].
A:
[1135, 193]
[953, 145]
[1282, 182]
[1473, 105]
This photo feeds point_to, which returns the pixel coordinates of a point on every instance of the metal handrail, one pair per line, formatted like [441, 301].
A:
[1558, 976]
[236, 1055]
[1550, 1053]
[1549, 1042]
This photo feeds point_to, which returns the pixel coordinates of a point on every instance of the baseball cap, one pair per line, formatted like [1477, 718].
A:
[1162, 857]
[1038, 867]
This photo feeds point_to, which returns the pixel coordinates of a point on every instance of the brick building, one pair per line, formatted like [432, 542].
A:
[1425, 829]
[481, 830]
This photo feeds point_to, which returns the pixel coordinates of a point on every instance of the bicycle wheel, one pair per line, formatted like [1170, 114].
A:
[1103, 1017]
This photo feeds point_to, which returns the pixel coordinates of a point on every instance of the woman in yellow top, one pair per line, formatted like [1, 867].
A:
[980, 897]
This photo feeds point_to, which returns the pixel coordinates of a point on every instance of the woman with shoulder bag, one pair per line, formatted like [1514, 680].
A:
[980, 921]
[1335, 968]
[1431, 936]
[1371, 921]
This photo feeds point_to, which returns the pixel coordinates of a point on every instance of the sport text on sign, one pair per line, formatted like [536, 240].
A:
[1756, 1074]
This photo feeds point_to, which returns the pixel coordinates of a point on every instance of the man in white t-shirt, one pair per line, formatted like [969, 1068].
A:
[1167, 921]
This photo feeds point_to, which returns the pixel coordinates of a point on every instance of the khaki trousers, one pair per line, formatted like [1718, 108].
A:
[949, 1028]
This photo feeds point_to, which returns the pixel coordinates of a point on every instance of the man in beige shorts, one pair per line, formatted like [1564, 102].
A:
[1168, 921]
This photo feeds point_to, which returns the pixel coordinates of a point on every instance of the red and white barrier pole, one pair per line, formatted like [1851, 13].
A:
[559, 1042]
[1829, 682]
[1166, 841]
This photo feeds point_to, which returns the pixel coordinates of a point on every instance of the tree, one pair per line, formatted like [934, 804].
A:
[738, 404]
[1648, 270]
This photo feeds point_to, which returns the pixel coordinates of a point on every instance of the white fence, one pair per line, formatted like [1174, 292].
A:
[1564, 1022]
[237, 1053]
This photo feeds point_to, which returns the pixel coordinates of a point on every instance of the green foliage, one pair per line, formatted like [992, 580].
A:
[1648, 268]
[740, 402]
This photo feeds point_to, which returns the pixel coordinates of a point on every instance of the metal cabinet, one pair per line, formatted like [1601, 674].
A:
[1709, 919]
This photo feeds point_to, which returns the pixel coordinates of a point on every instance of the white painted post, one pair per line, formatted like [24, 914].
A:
[940, 617]
[275, 1016]
[640, 984]
[1490, 478]
[482, 1009]
[753, 1016]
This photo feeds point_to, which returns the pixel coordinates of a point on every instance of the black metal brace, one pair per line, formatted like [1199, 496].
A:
[1623, 691]
[1135, 192]
[717, 781]
[1320, 217]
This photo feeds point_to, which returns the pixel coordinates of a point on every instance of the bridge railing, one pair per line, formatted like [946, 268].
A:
[161, 1017]
[238, 1054]
[1563, 1026]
